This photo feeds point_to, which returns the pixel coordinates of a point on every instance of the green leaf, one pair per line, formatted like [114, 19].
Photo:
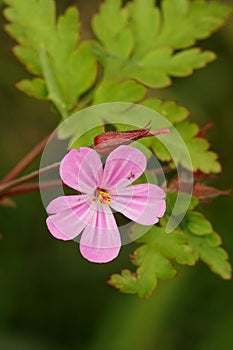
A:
[154, 257]
[208, 250]
[126, 282]
[171, 198]
[173, 245]
[34, 88]
[145, 24]
[152, 266]
[48, 48]
[116, 91]
[183, 63]
[198, 148]
[192, 20]
[153, 260]
[197, 223]
[151, 56]
[111, 27]
[170, 110]
[155, 68]
[206, 243]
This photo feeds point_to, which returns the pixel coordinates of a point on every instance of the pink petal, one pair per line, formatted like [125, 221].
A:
[100, 241]
[81, 170]
[65, 203]
[71, 216]
[54, 230]
[142, 203]
[123, 166]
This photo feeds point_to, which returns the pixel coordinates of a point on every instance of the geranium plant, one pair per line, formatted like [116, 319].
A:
[136, 48]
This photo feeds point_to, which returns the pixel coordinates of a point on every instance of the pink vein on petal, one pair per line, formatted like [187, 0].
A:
[81, 170]
[63, 203]
[100, 241]
[123, 166]
[143, 203]
[54, 230]
[70, 221]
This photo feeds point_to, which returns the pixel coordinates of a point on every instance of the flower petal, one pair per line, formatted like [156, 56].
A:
[142, 203]
[65, 203]
[100, 241]
[81, 170]
[123, 166]
[71, 216]
[54, 230]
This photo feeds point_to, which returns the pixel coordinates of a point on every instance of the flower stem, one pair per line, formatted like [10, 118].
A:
[31, 187]
[27, 177]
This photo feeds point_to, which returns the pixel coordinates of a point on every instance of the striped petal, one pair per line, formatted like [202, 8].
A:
[81, 170]
[71, 214]
[123, 166]
[143, 203]
[100, 241]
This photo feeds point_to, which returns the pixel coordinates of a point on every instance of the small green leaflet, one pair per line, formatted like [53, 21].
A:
[48, 48]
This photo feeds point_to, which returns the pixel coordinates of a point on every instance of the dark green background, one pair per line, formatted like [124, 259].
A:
[50, 297]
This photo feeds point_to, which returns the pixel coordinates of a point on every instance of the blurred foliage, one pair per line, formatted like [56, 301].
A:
[51, 298]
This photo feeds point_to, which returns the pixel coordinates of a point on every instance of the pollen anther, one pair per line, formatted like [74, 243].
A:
[104, 197]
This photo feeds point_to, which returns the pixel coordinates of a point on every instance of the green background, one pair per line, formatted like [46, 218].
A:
[50, 297]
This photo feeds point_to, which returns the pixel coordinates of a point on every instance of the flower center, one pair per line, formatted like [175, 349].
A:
[103, 197]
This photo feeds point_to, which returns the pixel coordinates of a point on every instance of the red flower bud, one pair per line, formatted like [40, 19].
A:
[204, 193]
[108, 141]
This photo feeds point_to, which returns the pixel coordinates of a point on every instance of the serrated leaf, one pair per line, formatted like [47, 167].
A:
[169, 109]
[48, 48]
[183, 63]
[208, 250]
[206, 244]
[155, 68]
[145, 23]
[197, 223]
[153, 260]
[82, 67]
[173, 245]
[192, 20]
[116, 91]
[198, 148]
[152, 266]
[157, 35]
[126, 282]
[34, 88]
[110, 26]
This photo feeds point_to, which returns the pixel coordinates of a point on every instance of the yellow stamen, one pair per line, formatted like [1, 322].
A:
[104, 197]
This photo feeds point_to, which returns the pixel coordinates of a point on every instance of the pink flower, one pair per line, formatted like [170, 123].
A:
[102, 189]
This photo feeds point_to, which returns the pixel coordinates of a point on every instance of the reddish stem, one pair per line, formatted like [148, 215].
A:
[23, 163]
[16, 182]
[31, 187]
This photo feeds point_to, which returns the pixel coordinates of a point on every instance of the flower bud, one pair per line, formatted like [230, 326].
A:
[108, 141]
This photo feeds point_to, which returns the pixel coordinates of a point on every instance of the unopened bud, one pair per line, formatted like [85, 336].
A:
[108, 141]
